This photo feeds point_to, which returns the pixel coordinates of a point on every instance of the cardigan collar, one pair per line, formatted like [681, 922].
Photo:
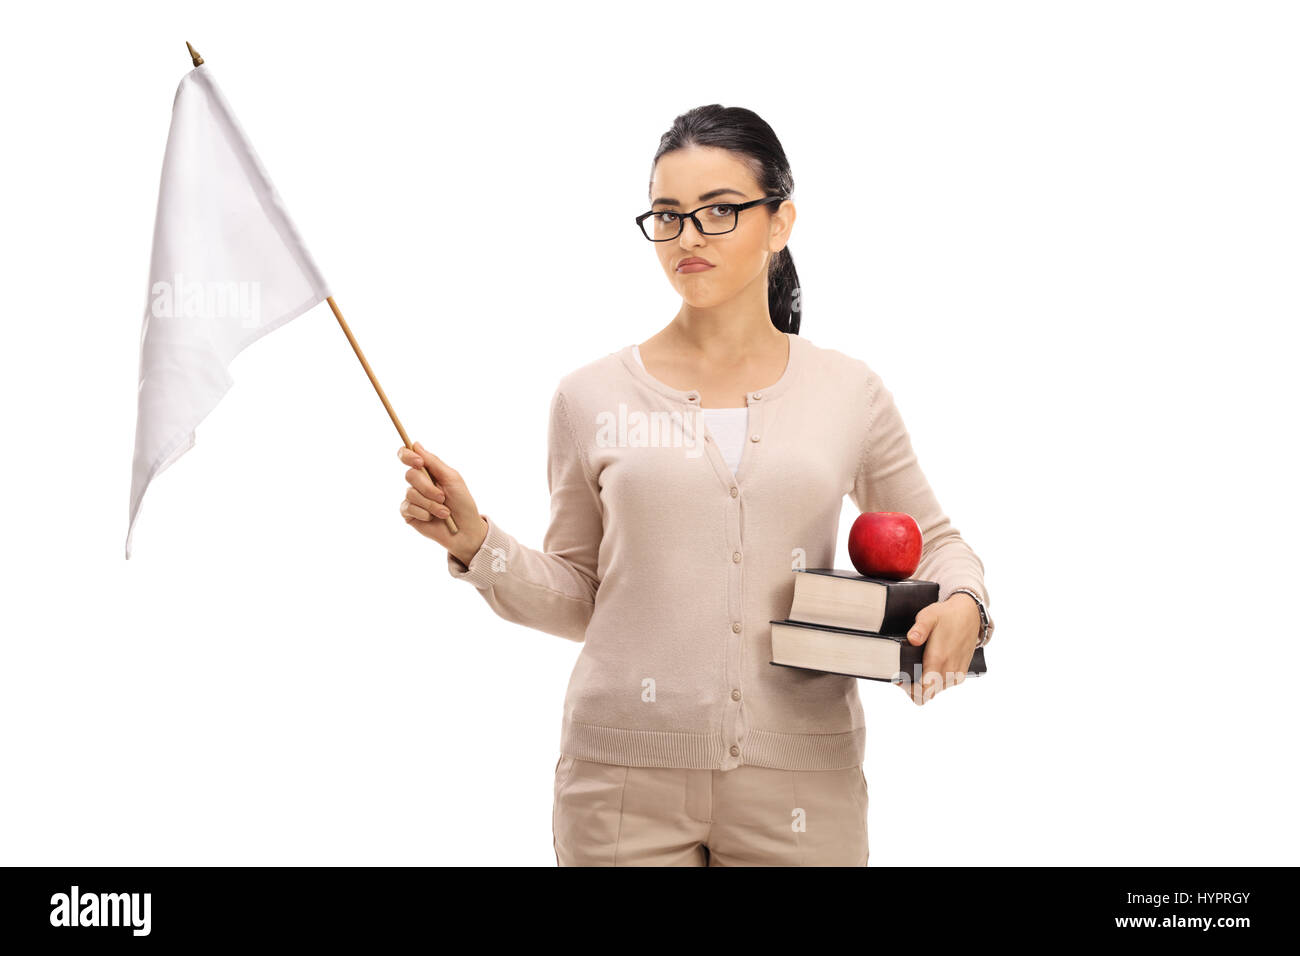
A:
[691, 396]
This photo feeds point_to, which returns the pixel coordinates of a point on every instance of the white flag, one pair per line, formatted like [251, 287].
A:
[228, 267]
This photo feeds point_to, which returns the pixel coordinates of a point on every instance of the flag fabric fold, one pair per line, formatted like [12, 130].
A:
[227, 267]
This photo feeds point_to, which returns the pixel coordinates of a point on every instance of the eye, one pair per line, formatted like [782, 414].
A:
[665, 217]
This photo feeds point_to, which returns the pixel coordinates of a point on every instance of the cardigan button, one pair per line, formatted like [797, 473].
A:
[735, 695]
[735, 751]
[757, 396]
[735, 557]
[735, 626]
[753, 438]
[734, 491]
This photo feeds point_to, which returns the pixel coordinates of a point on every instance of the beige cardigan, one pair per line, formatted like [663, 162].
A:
[669, 568]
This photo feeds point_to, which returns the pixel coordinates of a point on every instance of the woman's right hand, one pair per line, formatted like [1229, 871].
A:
[425, 505]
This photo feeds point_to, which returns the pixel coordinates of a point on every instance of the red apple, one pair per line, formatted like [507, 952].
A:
[885, 544]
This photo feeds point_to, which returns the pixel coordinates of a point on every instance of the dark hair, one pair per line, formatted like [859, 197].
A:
[744, 132]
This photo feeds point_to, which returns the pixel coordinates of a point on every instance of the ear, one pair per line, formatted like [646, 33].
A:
[782, 223]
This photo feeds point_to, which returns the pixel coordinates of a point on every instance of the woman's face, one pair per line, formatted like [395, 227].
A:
[685, 179]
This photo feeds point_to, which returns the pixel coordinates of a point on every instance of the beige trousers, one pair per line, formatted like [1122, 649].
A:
[608, 815]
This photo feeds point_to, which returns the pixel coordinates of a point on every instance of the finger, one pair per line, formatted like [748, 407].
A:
[442, 474]
[417, 476]
[449, 478]
[435, 508]
[419, 479]
[441, 471]
[919, 632]
[909, 688]
[926, 620]
[413, 512]
[931, 684]
[946, 674]
[917, 688]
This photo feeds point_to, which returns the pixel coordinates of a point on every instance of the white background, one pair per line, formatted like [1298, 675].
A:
[1065, 235]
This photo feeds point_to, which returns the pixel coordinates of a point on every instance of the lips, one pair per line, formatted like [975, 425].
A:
[694, 264]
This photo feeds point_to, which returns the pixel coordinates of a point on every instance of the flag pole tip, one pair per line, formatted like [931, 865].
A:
[194, 54]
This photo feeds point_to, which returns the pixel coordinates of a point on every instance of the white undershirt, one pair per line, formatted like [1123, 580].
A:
[726, 425]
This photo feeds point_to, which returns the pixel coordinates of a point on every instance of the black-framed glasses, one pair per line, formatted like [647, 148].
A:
[712, 220]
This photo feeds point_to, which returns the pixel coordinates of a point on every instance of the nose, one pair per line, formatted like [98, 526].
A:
[690, 237]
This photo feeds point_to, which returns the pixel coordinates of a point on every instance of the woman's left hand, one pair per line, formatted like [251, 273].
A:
[950, 631]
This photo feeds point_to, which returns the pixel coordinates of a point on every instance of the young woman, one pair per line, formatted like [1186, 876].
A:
[690, 475]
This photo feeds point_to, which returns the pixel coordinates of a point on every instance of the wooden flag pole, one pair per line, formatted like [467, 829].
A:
[451, 523]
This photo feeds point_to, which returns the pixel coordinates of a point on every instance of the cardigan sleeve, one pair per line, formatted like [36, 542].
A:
[552, 590]
[889, 478]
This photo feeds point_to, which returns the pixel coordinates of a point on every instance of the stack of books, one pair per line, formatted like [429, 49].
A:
[842, 622]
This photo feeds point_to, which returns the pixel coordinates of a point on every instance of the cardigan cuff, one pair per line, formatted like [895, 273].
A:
[489, 561]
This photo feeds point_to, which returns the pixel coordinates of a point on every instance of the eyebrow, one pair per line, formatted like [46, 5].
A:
[704, 197]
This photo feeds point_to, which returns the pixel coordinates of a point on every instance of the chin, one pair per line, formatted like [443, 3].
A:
[703, 302]
[695, 295]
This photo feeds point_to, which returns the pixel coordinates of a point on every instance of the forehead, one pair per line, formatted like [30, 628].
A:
[686, 174]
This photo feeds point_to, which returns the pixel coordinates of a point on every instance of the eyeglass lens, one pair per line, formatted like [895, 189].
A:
[667, 225]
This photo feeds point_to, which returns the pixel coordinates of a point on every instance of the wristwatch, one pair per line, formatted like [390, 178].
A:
[984, 615]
